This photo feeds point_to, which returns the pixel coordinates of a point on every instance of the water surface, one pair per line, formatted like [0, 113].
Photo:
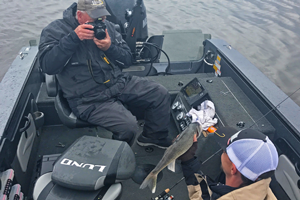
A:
[266, 32]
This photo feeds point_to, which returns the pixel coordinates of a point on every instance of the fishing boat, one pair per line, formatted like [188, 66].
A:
[39, 133]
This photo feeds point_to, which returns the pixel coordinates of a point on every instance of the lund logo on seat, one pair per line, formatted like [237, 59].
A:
[69, 162]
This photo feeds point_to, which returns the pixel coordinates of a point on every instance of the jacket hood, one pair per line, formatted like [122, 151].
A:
[69, 15]
[256, 191]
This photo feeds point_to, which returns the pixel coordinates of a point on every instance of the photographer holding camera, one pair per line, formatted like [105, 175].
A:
[87, 55]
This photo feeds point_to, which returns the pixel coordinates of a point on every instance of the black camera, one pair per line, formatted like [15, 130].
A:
[99, 29]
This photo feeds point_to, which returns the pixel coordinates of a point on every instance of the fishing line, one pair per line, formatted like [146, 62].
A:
[275, 107]
[211, 156]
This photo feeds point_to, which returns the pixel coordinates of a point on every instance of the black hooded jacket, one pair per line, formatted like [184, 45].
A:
[201, 187]
[61, 52]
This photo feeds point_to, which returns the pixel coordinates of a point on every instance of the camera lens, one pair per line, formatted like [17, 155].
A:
[100, 34]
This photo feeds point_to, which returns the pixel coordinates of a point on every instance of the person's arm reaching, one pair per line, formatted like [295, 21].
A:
[118, 50]
[55, 52]
[190, 167]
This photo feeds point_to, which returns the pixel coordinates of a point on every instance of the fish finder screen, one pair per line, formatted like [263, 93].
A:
[193, 88]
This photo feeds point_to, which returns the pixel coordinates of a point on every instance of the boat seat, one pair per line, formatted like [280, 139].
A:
[91, 168]
[62, 107]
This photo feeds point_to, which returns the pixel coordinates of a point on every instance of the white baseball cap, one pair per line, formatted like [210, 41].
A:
[252, 152]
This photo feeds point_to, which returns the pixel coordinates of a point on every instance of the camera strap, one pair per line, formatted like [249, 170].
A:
[89, 64]
[106, 60]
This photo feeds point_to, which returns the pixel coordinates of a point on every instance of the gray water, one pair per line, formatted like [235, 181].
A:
[267, 32]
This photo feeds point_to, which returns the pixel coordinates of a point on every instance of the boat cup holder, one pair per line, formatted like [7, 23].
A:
[39, 119]
[142, 171]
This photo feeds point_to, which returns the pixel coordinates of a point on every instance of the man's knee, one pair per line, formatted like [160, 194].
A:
[163, 96]
[127, 137]
[126, 133]
[162, 90]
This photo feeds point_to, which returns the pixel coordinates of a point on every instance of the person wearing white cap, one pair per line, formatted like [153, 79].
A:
[248, 161]
[87, 55]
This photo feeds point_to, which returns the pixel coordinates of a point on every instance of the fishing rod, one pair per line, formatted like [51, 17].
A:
[165, 194]
[275, 107]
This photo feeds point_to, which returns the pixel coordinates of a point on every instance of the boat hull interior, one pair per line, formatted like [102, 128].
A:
[242, 95]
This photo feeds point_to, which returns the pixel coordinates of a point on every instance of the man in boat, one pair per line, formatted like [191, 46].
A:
[248, 161]
[89, 72]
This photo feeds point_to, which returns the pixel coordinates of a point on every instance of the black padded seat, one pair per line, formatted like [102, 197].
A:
[66, 115]
[47, 190]
[91, 167]
[62, 107]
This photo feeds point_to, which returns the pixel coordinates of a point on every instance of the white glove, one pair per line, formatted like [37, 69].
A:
[205, 115]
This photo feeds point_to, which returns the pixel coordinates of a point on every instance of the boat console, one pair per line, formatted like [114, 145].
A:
[191, 95]
[233, 107]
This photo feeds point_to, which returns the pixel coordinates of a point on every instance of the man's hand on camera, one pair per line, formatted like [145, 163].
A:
[103, 44]
[190, 153]
[85, 32]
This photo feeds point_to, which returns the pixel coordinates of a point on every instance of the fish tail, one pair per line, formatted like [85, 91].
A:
[150, 181]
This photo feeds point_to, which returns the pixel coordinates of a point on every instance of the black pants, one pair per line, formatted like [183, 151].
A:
[141, 96]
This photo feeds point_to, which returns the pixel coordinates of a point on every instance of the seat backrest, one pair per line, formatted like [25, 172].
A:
[65, 113]
[92, 162]
[51, 85]
[287, 177]
[62, 107]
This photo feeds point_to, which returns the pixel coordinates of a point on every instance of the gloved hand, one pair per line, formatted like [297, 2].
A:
[204, 116]
[190, 153]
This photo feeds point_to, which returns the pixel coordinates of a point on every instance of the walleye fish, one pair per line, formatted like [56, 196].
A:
[181, 144]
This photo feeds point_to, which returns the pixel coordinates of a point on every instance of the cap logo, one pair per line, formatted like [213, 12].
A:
[234, 136]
